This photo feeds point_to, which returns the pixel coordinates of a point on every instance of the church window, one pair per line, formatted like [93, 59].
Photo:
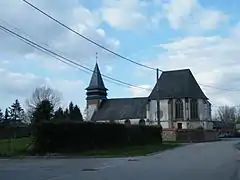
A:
[179, 108]
[194, 109]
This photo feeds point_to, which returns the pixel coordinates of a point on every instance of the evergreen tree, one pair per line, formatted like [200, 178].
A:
[74, 113]
[1, 116]
[44, 111]
[16, 112]
[77, 115]
[59, 114]
[66, 114]
[6, 118]
[70, 111]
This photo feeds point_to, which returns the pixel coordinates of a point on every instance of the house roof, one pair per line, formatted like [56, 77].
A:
[96, 80]
[177, 84]
[122, 108]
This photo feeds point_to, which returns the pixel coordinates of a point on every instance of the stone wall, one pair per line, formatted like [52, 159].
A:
[211, 135]
[169, 135]
[189, 135]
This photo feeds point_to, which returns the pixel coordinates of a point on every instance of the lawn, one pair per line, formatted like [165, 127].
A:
[16, 147]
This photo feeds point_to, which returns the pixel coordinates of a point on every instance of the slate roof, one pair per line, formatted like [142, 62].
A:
[122, 108]
[96, 80]
[177, 84]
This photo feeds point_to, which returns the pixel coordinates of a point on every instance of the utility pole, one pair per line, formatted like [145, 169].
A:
[158, 99]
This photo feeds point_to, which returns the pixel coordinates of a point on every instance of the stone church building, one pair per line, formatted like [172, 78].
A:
[183, 104]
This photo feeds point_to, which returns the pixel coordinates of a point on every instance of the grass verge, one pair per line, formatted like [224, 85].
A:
[14, 147]
[21, 147]
[132, 150]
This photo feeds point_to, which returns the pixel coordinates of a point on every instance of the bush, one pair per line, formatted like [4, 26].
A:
[82, 136]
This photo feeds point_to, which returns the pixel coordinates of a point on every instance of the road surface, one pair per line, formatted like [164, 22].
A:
[204, 161]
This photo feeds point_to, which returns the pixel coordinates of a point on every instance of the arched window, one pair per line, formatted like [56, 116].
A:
[194, 109]
[142, 122]
[127, 122]
[179, 108]
[170, 109]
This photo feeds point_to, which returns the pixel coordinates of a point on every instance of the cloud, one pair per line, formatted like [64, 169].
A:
[130, 15]
[28, 68]
[4, 62]
[21, 85]
[28, 22]
[190, 14]
[214, 61]
[122, 14]
[142, 91]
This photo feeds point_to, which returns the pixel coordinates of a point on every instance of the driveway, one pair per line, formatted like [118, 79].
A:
[208, 161]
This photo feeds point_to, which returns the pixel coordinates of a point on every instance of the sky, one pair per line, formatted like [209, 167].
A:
[201, 35]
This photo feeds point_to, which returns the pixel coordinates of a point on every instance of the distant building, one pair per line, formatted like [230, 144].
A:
[182, 103]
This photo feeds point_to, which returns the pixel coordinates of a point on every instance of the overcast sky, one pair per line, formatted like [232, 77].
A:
[201, 35]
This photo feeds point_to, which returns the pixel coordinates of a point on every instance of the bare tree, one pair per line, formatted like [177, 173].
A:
[237, 114]
[42, 94]
[227, 113]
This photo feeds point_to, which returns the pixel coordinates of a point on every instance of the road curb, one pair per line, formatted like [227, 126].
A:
[63, 157]
[55, 156]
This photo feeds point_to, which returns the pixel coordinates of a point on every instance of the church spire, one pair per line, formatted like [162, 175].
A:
[96, 88]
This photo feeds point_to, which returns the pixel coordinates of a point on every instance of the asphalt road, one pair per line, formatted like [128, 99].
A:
[208, 161]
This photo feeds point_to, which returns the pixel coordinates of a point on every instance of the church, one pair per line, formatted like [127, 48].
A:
[183, 104]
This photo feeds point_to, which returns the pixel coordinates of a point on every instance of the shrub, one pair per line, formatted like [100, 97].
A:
[83, 136]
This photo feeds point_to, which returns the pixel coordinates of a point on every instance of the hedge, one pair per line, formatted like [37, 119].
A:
[14, 132]
[81, 136]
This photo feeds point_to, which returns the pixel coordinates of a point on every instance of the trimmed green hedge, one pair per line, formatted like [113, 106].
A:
[14, 132]
[81, 136]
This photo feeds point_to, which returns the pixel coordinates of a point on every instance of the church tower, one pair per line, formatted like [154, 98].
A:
[96, 93]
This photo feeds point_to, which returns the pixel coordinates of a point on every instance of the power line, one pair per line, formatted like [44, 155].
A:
[60, 57]
[106, 49]
[86, 38]
[83, 70]
[46, 45]
[222, 89]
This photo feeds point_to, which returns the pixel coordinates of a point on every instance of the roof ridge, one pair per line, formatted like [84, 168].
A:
[176, 70]
[128, 98]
